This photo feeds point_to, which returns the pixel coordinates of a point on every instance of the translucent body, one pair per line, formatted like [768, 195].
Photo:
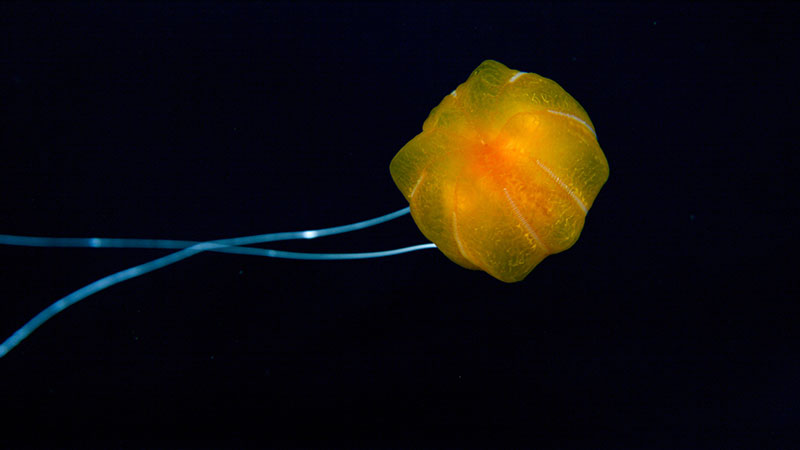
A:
[503, 173]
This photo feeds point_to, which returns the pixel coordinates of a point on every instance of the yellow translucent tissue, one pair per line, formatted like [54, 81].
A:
[503, 173]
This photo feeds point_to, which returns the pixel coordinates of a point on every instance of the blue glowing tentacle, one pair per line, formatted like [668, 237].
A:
[189, 248]
[35, 241]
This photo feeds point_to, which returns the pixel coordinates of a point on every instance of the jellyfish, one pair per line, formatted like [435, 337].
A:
[502, 175]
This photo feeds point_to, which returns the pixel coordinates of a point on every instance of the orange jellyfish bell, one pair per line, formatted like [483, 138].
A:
[503, 173]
